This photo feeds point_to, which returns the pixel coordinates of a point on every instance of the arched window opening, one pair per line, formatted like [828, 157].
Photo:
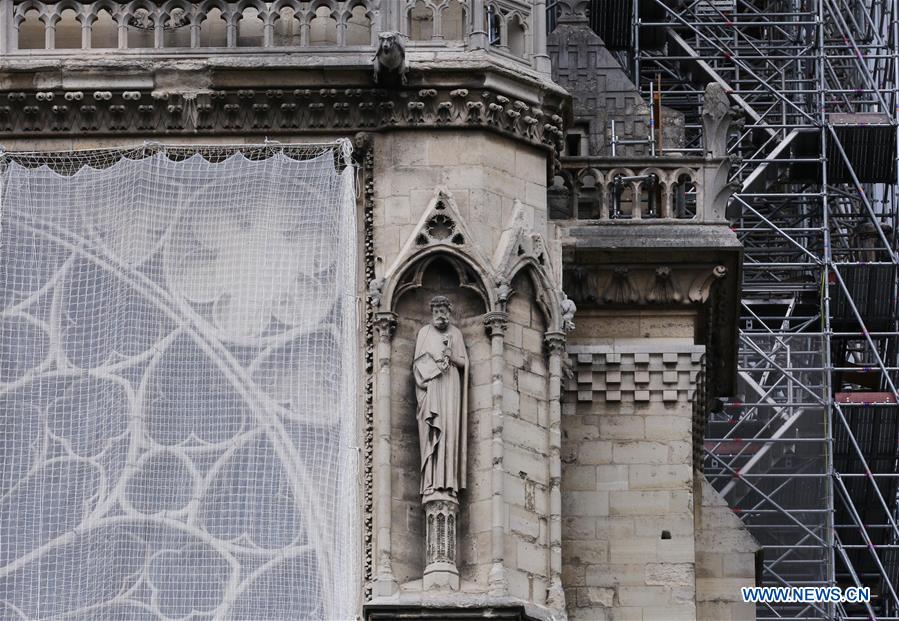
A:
[68, 31]
[141, 29]
[452, 21]
[31, 31]
[104, 31]
[517, 37]
[684, 197]
[323, 28]
[493, 26]
[358, 27]
[287, 28]
[588, 199]
[213, 29]
[249, 28]
[421, 22]
[621, 199]
[651, 197]
[177, 29]
[559, 199]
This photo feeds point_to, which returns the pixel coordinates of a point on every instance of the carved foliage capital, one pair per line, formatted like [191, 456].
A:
[385, 325]
[495, 322]
[555, 343]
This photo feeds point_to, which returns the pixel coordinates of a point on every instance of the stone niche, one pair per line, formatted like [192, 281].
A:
[427, 279]
[513, 316]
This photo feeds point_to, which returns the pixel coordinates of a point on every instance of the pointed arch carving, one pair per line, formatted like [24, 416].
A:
[441, 232]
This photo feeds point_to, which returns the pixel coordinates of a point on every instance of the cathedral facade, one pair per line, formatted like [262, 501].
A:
[547, 282]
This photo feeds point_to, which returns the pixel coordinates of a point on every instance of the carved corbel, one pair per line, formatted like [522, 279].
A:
[621, 289]
[663, 290]
[702, 286]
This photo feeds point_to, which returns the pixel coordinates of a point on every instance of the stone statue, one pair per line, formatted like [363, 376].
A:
[389, 62]
[440, 368]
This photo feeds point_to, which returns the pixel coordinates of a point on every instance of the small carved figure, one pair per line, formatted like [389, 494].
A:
[389, 62]
[569, 308]
[440, 368]
[375, 287]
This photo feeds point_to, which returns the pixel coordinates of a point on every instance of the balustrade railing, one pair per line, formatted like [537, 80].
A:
[513, 28]
[645, 190]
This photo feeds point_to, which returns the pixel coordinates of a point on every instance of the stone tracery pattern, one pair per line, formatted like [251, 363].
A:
[174, 441]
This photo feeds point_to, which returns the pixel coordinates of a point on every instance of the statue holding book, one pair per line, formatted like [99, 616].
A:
[440, 368]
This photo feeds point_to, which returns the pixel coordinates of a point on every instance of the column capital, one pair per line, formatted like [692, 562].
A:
[495, 322]
[385, 323]
[555, 342]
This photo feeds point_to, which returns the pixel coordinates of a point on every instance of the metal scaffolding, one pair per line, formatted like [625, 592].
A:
[806, 454]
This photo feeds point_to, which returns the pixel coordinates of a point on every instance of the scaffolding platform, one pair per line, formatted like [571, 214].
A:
[865, 138]
[872, 288]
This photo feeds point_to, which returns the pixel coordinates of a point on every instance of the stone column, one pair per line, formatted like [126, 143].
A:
[495, 323]
[8, 40]
[385, 583]
[555, 345]
[541, 58]
[441, 517]
[478, 37]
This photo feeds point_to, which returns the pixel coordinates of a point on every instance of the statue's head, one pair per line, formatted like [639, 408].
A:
[441, 309]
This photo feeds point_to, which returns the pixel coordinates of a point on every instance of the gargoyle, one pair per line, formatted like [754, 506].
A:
[389, 62]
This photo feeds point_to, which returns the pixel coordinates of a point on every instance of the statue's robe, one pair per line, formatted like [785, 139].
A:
[442, 410]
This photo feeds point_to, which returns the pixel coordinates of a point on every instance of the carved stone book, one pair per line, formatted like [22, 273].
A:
[427, 367]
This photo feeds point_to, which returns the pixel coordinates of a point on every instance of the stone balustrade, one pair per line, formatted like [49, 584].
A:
[599, 189]
[512, 28]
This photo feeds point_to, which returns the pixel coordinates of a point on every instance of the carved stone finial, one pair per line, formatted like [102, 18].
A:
[573, 10]
[718, 116]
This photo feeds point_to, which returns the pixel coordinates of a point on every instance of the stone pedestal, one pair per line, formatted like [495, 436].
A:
[441, 518]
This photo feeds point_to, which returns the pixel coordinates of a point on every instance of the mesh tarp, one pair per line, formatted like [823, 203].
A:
[177, 384]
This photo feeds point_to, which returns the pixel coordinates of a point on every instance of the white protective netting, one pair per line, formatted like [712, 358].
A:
[177, 384]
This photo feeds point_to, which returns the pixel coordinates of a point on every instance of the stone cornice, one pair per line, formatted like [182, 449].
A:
[275, 111]
[642, 284]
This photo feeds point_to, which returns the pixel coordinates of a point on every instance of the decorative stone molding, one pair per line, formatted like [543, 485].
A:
[364, 154]
[442, 230]
[441, 517]
[314, 111]
[636, 373]
[676, 284]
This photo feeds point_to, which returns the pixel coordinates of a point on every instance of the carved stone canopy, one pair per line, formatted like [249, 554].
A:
[442, 233]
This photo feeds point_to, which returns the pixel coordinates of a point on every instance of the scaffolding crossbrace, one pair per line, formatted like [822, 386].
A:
[806, 453]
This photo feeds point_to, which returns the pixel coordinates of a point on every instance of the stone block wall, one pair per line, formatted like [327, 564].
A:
[725, 559]
[483, 172]
[526, 447]
[627, 480]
